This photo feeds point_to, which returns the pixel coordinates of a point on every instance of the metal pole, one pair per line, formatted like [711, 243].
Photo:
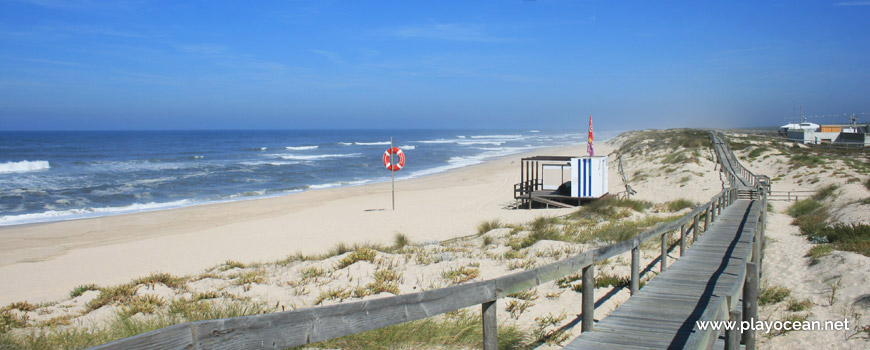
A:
[392, 174]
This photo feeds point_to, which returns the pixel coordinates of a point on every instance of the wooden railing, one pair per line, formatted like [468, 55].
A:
[311, 325]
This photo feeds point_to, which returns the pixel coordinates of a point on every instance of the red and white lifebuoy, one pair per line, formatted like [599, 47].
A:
[398, 152]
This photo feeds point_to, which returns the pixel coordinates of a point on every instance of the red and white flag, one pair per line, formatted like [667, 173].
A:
[589, 145]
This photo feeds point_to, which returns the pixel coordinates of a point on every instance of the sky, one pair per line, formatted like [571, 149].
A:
[94, 65]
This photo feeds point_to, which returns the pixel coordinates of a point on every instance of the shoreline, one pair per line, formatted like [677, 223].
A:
[136, 208]
[46, 260]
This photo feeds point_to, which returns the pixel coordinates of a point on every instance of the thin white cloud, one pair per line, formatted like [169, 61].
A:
[447, 31]
[202, 49]
[329, 55]
[853, 3]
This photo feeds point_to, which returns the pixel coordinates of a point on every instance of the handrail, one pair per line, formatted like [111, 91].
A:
[306, 326]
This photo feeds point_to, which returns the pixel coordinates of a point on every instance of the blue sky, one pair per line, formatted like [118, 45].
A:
[91, 64]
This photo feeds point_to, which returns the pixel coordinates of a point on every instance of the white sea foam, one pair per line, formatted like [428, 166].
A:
[320, 156]
[273, 163]
[459, 162]
[534, 130]
[461, 136]
[437, 141]
[247, 194]
[493, 143]
[300, 148]
[346, 143]
[24, 166]
[198, 157]
[497, 136]
[339, 184]
[407, 147]
[55, 215]
[381, 143]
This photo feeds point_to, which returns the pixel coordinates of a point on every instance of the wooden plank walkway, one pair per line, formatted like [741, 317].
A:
[706, 280]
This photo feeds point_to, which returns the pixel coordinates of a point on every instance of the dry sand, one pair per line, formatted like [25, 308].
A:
[45, 261]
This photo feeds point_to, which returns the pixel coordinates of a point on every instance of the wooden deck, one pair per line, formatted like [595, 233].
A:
[663, 313]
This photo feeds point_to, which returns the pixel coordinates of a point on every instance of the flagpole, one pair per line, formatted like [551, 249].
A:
[393, 174]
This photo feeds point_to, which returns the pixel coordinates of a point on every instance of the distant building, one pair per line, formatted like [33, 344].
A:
[783, 130]
[812, 133]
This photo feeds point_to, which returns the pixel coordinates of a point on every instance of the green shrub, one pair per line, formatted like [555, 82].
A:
[805, 160]
[757, 152]
[819, 251]
[854, 237]
[825, 192]
[803, 207]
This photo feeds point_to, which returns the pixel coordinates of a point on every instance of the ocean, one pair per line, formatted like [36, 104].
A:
[52, 176]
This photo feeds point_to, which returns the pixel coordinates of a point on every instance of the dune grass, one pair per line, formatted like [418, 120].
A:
[679, 204]
[455, 330]
[811, 216]
[772, 295]
[123, 325]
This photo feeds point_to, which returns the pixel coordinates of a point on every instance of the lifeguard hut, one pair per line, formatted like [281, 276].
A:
[560, 181]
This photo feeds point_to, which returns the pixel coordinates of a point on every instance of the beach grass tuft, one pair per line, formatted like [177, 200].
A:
[118, 294]
[679, 204]
[795, 305]
[162, 278]
[773, 295]
[81, 289]
[487, 226]
[231, 264]
[400, 240]
[460, 274]
[360, 254]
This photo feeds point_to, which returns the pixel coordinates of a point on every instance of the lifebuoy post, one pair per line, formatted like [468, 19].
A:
[394, 166]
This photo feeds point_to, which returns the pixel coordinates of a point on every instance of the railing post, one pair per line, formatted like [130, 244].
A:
[490, 326]
[682, 240]
[732, 336]
[706, 219]
[695, 227]
[750, 303]
[635, 270]
[714, 203]
[588, 290]
[664, 258]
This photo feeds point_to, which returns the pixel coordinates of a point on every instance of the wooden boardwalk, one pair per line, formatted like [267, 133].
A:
[708, 278]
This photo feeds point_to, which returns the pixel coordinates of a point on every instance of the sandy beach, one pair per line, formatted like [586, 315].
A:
[42, 262]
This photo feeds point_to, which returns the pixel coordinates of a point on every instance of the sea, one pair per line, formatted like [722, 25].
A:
[65, 175]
